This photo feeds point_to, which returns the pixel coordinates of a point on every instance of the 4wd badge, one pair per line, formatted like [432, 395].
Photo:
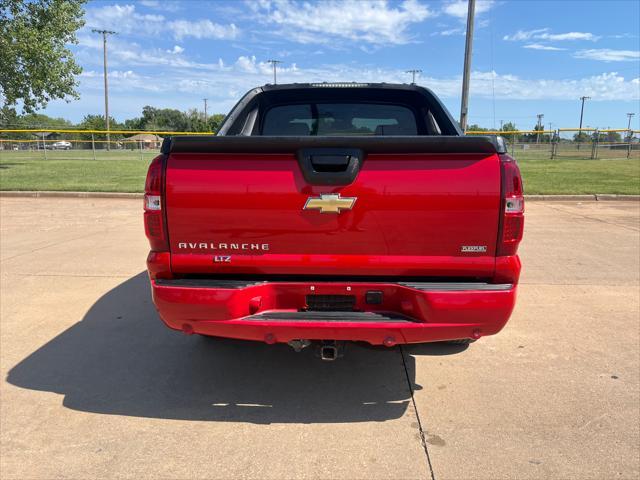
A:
[330, 203]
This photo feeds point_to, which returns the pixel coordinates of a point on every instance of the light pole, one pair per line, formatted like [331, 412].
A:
[274, 63]
[106, 81]
[468, 47]
[413, 75]
[205, 110]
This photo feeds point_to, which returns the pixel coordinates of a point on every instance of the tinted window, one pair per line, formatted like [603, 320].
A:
[328, 119]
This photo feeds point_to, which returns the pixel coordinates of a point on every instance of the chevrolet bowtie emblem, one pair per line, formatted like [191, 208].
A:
[330, 203]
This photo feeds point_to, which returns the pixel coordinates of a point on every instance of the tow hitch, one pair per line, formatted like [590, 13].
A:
[330, 350]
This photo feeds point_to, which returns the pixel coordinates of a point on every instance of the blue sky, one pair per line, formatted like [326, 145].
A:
[529, 57]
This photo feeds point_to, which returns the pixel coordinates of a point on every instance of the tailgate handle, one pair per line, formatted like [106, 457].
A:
[330, 163]
[330, 166]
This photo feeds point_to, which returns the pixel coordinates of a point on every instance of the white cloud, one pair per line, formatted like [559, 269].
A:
[246, 64]
[543, 34]
[522, 35]
[458, 8]
[177, 49]
[125, 19]
[569, 36]
[125, 54]
[224, 83]
[603, 87]
[538, 46]
[449, 32]
[166, 5]
[609, 55]
[184, 84]
[371, 21]
[202, 29]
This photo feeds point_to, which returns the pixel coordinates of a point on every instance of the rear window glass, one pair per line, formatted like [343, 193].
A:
[326, 119]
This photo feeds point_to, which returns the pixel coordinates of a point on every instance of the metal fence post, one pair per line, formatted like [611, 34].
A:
[44, 147]
[594, 145]
[629, 138]
[93, 146]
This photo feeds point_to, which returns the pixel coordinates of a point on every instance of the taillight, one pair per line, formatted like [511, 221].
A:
[154, 220]
[512, 208]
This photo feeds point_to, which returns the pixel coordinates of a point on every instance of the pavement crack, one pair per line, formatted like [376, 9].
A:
[423, 440]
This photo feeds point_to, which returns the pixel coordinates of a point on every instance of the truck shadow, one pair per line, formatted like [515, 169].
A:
[121, 360]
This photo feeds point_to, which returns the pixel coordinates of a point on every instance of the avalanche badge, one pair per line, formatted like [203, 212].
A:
[330, 203]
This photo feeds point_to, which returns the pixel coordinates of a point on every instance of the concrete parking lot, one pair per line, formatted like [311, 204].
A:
[94, 386]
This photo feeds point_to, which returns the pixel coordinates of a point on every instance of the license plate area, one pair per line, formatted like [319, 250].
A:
[330, 303]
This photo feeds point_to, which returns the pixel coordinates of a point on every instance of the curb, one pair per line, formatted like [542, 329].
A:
[597, 197]
[557, 198]
[70, 194]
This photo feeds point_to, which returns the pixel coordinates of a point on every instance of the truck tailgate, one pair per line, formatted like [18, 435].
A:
[414, 214]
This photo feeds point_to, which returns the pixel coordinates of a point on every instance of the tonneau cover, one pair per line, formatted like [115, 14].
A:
[369, 144]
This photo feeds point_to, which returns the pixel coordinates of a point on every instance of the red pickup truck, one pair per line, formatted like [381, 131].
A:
[327, 213]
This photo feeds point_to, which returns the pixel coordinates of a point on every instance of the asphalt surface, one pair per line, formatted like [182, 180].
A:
[94, 386]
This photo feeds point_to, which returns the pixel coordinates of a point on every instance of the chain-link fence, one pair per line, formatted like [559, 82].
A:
[82, 144]
[571, 143]
[563, 143]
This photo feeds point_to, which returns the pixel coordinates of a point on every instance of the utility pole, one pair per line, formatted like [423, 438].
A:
[205, 110]
[629, 116]
[583, 98]
[468, 47]
[501, 122]
[630, 137]
[413, 75]
[582, 109]
[274, 63]
[539, 127]
[104, 34]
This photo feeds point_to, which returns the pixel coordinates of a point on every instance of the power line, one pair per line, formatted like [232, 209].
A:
[104, 34]
[413, 75]
[274, 63]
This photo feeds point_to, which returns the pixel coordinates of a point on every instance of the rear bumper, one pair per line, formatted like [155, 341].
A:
[265, 311]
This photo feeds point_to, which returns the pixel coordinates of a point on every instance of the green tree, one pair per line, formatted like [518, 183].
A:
[582, 137]
[610, 137]
[9, 119]
[214, 122]
[476, 128]
[35, 64]
[511, 127]
[96, 122]
[164, 119]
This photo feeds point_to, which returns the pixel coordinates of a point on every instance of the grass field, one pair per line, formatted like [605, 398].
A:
[122, 171]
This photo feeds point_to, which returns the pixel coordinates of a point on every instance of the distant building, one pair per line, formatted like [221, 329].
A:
[148, 141]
